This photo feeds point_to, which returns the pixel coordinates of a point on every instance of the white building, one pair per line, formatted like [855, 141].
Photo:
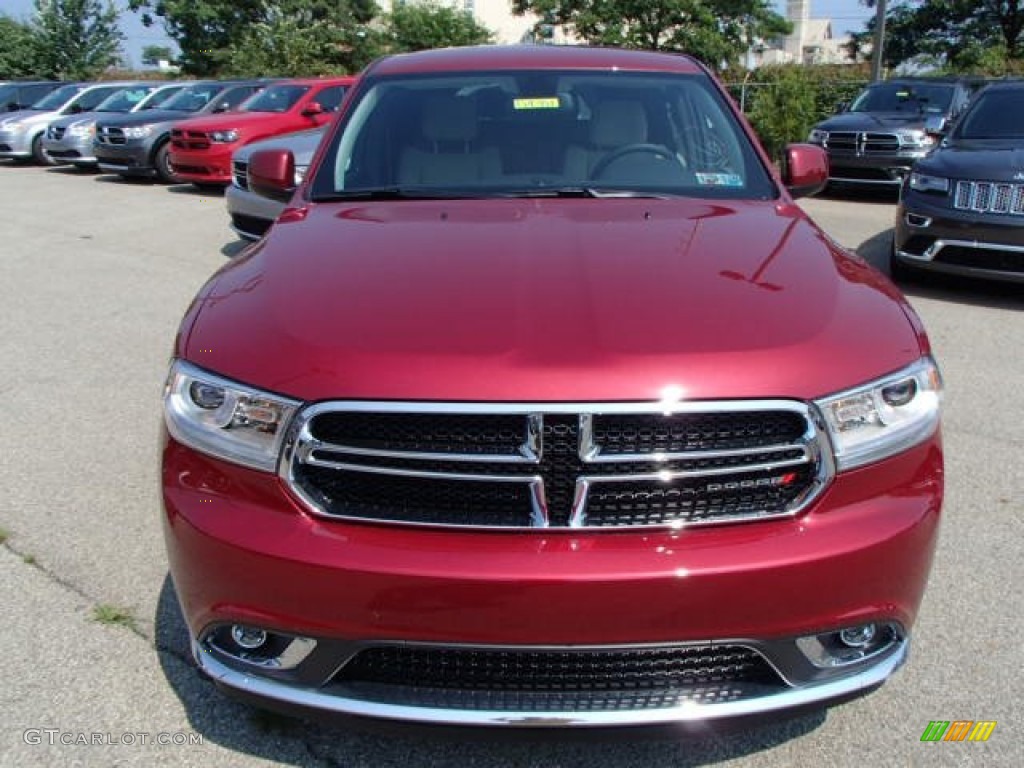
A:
[811, 41]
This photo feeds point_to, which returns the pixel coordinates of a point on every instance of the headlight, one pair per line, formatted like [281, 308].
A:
[15, 127]
[817, 136]
[922, 182]
[225, 419]
[82, 129]
[224, 137]
[300, 173]
[885, 417]
[914, 138]
[138, 131]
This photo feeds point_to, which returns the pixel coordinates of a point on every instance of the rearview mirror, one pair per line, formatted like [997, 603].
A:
[272, 173]
[804, 169]
[313, 109]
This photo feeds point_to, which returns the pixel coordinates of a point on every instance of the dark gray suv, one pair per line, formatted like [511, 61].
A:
[879, 137]
[137, 144]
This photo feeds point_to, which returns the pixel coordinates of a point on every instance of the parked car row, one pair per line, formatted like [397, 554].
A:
[174, 132]
[954, 148]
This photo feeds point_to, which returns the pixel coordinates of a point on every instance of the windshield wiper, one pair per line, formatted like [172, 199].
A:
[581, 192]
[388, 193]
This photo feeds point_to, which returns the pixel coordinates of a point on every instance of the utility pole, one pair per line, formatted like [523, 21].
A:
[879, 44]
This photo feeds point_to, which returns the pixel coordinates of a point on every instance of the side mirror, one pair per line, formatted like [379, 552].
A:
[75, 109]
[842, 106]
[272, 173]
[218, 108]
[804, 169]
[936, 125]
[312, 109]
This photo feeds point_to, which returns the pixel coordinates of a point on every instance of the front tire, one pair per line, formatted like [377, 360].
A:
[162, 164]
[39, 154]
[899, 271]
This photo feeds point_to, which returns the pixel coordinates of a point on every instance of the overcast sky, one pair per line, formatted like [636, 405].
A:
[846, 15]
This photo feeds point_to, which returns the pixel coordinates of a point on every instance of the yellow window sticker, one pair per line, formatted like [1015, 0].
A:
[543, 102]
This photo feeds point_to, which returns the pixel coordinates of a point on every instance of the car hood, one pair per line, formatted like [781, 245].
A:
[235, 120]
[146, 117]
[82, 117]
[870, 121]
[983, 160]
[548, 300]
[29, 117]
[302, 145]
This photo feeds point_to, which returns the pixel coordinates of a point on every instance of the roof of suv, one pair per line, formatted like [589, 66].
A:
[533, 56]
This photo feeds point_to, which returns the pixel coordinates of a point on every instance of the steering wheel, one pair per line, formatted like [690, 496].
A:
[632, 149]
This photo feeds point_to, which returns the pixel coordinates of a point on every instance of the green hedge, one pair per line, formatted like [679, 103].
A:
[784, 102]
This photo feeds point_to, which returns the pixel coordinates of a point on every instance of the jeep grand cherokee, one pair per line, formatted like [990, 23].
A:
[543, 404]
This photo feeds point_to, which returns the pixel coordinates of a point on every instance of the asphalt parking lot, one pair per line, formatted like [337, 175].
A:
[95, 276]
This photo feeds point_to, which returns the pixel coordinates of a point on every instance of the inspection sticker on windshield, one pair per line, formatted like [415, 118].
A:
[536, 103]
[719, 180]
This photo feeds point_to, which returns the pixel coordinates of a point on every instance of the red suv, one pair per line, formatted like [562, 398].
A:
[201, 148]
[543, 404]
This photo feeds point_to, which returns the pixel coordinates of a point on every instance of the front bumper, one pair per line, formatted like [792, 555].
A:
[242, 551]
[71, 149]
[16, 145]
[209, 166]
[251, 214]
[872, 169]
[935, 237]
[129, 159]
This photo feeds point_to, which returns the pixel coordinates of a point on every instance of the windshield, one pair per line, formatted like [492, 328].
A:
[124, 101]
[56, 99]
[913, 98]
[996, 114]
[159, 97]
[541, 133]
[193, 98]
[277, 98]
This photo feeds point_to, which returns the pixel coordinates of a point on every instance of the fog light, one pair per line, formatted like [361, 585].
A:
[249, 638]
[858, 637]
[851, 645]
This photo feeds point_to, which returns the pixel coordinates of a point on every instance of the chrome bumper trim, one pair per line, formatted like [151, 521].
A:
[314, 699]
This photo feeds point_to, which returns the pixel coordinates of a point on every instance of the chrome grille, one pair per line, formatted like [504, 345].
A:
[240, 174]
[109, 135]
[863, 142]
[989, 197]
[558, 466]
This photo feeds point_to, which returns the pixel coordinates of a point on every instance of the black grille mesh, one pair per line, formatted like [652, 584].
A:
[649, 433]
[558, 671]
[423, 432]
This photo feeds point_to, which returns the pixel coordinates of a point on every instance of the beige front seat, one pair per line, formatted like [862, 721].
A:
[448, 152]
[614, 124]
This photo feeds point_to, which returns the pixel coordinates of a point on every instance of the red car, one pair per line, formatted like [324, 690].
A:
[543, 404]
[201, 148]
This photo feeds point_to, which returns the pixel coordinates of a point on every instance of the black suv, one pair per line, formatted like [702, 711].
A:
[962, 209]
[880, 135]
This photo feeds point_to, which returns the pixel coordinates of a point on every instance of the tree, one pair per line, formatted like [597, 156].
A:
[77, 39]
[423, 25]
[961, 32]
[152, 55]
[206, 31]
[308, 37]
[256, 37]
[716, 31]
[19, 50]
